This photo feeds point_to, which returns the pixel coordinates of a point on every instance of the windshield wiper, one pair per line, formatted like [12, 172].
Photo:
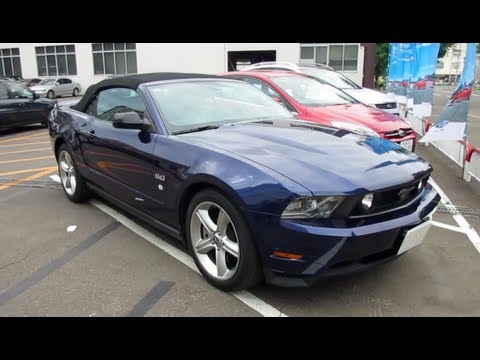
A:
[202, 128]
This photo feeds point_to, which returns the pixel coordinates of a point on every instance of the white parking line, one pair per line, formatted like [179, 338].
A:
[459, 219]
[448, 227]
[55, 178]
[246, 297]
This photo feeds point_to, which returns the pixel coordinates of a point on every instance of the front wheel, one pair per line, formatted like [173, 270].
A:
[221, 243]
[73, 182]
[51, 94]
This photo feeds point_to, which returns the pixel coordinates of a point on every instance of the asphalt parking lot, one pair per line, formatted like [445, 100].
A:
[58, 258]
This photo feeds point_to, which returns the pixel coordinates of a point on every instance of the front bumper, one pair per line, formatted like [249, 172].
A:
[333, 249]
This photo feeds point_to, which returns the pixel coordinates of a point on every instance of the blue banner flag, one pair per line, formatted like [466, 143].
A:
[452, 121]
[400, 61]
[420, 92]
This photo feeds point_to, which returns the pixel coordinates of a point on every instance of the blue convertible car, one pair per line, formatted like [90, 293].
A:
[253, 192]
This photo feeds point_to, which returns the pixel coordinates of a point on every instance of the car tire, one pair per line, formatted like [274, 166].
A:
[72, 181]
[232, 236]
[51, 94]
[76, 92]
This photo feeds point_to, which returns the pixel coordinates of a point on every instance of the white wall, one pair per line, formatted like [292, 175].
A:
[180, 57]
[210, 58]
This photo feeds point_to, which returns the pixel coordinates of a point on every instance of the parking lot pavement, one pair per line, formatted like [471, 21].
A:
[110, 265]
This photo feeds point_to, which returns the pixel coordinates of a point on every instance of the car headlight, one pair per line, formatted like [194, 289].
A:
[359, 129]
[312, 207]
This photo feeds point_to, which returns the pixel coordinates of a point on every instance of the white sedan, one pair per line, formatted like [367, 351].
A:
[326, 74]
[55, 87]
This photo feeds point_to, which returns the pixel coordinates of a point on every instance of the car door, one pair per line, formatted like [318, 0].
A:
[59, 87]
[67, 87]
[33, 109]
[120, 160]
[8, 108]
[19, 103]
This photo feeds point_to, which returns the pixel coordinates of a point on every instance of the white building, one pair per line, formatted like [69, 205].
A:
[450, 67]
[89, 63]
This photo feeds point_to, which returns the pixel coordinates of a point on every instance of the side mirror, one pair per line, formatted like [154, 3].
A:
[129, 120]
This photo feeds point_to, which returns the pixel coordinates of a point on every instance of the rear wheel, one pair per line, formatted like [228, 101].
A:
[75, 92]
[73, 182]
[220, 242]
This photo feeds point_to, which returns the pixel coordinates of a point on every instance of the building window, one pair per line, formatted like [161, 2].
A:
[10, 62]
[114, 58]
[56, 60]
[341, 57]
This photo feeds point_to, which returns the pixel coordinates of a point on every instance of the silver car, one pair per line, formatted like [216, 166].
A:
[54, 87]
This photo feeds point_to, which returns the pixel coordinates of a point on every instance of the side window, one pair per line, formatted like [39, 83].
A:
[261, 85]
[267, 89]
[278, 68]
[20, 92]
[3, 92]
[66, 81]
[59, 82]
[113, 101]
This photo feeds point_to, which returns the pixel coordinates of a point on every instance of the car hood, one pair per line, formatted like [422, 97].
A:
[369, 96]
[321, 159]
[379, 121]
[40, 88]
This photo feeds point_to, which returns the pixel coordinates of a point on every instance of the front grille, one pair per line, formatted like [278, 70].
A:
[391, 199]
[386, 106]
[401, 133]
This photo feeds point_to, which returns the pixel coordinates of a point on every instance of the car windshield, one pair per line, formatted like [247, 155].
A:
[332, 77]
[199, 104]
[47, 82]
[310, 92]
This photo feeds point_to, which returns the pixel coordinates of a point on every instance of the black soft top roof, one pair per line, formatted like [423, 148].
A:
[133, 82]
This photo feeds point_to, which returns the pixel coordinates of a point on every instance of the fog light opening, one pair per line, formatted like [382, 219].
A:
[367, 202]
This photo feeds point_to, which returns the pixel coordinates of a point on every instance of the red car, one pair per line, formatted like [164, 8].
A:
[463, 94]
[422, 84]
[315, 101]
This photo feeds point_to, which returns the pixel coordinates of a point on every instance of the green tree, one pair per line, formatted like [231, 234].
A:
[381, 60]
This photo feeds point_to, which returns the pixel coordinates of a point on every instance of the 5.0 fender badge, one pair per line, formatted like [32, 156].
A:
[160, 177]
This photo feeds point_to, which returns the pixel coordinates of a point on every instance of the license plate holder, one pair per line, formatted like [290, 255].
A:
[407, 144]
[415, 236]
